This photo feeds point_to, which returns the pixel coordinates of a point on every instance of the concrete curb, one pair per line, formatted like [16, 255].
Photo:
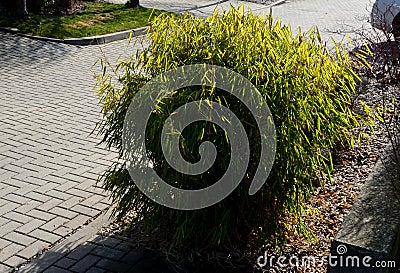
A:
[371, 230]
[94, 40]
[107, 38]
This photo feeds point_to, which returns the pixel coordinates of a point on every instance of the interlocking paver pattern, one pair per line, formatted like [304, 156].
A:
[49, 161]
[109, 254]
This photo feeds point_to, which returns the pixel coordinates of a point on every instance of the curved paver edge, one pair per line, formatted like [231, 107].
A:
[94, 40]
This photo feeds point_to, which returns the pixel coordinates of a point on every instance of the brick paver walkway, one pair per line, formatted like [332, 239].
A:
[49, 162]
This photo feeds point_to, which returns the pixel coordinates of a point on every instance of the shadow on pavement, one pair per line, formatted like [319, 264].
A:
[16, 50]
[99, 254]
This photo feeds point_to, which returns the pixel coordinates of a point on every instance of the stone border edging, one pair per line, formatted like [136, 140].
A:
[372, 226]
[94, 40]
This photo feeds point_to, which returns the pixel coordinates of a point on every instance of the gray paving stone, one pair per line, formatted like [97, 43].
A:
[35, 181]
[56, 179]
[25, 188]
[62, 212]
[63, 173]
[85, 184]
[5, 268]
[66, 186]
[113, 266]
[93, 200]
[32, 249]
[9, 251]
[48, 111]
[109, 253]
[14, 261]
[38, 196]
[8, 207]
[4, 243]
[47, 187]
[132, 256]
[50, 204]
[62, 231]
[11, 182]
[30, 226]
[81, 251]
[16, 198]
[80, 193]
[58, 194]
[85, 263]
[9, 227]
[96, 270]
[126, 246]
[65, 262]
[17, 217]
[98, 191]
[83, 169]
[39, 214]
[55, 269]
[45, 236]
[85, 210]
[101, 206]
[77, 221]
[54, 223]
[4, 221]
[19, 238]
[106, 241]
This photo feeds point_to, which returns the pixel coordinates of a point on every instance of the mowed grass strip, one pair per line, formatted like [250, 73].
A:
[97, 18]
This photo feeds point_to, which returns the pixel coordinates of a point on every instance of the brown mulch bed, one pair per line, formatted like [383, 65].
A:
[333, 201]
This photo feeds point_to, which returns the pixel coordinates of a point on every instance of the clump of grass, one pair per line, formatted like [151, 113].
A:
[97, 18]
[309, 92]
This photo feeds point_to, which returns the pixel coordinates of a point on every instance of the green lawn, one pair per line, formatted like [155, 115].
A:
[97, 18]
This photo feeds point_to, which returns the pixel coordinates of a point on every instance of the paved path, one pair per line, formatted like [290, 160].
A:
[330, 16]
[49, 162]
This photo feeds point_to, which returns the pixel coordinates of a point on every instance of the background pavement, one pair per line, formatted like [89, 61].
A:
[333, 18]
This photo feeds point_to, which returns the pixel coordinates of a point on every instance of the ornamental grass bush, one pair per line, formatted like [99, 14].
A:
[308, 90]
